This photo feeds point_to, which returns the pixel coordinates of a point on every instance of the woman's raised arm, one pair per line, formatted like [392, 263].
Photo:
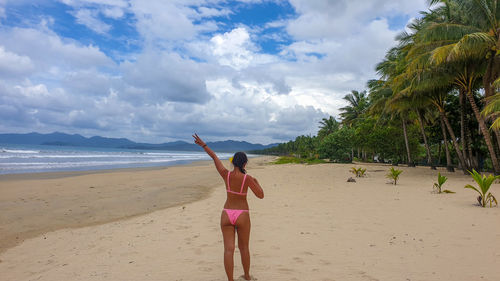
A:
[218, 164]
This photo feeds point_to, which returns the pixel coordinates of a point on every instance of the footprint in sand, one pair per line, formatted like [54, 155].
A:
[285, 270]
[205, 269]
[299, 260]
[325, 262]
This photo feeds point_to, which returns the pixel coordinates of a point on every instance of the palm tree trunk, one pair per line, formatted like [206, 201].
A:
[488, 76]
[473, 160]
[429, 157]
[486, 133]
[454, 141]
[410, 164]
[497, 135]
[449, 165]
[439, 154]
[461, 99]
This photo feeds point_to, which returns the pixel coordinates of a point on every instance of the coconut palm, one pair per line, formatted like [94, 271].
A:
[476, 33]
[357, 106]
[394, 175]
[484, 184]
[327, 127]
[429, 50]
[460, 36]
[398, 105]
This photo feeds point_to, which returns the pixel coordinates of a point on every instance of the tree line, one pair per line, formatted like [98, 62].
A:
[436, 101]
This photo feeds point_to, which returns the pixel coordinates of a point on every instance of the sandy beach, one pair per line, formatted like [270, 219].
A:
[163, 224]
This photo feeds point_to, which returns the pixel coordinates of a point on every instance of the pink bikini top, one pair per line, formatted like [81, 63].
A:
[242, 185]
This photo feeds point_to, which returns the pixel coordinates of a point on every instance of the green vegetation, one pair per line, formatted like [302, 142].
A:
[359, 172]
[438, 186]
[394, 175]
[295, 160]
[439, 83]
[484, 184]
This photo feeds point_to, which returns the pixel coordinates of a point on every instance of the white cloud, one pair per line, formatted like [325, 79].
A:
[233, 48]
[184, 79]
[167, 20]
[90, 19]
[338, 19]
[12, 64]
[113, 12]
[205, 12]
[79, 3]
[52, 54]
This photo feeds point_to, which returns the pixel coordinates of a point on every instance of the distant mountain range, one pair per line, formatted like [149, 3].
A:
[63, 139]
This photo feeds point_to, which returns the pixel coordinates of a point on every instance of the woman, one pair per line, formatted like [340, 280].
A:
[235, 215]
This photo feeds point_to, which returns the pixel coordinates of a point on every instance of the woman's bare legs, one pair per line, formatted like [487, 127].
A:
[228, 234]
[243, 224]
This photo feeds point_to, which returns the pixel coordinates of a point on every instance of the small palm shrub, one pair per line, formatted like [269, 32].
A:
[484, 183]
[394, 175]
[437, 186]
[359, 172]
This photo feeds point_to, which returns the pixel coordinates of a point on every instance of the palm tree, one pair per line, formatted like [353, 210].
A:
[357, 105]
[400, 106]
[327, 127]
[454, 42]
[477, 34]
[400, 103]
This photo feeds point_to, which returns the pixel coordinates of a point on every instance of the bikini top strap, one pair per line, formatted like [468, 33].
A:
[227, 181]
[243, 183]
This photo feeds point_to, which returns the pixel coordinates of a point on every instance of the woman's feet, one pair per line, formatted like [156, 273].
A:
[246, 278]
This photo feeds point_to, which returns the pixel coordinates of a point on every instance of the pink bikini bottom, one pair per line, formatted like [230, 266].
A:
[234, 214]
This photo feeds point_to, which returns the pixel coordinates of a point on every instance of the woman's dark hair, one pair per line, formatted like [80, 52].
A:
[239, 160]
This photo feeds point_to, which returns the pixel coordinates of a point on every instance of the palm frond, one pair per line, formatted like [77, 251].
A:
[475, 44]
[496, 84]
[440, 55]
[445, 31]
[492, 110]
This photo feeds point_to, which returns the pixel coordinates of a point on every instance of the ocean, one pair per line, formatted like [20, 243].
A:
[15, 159]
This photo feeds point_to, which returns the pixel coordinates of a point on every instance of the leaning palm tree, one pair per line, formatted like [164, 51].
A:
[465, 34]
[432, 49]
[433, 85]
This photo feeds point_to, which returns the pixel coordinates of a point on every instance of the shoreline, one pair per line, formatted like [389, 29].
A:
[36, 203]
[32, 204]
[65, 174]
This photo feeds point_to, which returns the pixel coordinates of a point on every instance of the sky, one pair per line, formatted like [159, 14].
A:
[261, 71]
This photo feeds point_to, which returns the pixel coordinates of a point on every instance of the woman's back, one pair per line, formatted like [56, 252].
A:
[236, 189]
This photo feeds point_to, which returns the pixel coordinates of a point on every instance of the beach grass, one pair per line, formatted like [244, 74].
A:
[295, 160]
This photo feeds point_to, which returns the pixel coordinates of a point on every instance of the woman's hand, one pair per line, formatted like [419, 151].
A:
[199, 141]
[218, 164]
